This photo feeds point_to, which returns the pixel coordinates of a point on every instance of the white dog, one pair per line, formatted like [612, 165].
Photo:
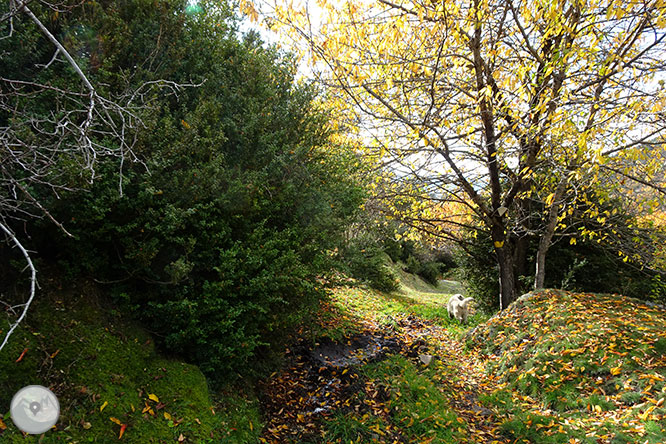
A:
[458, 307]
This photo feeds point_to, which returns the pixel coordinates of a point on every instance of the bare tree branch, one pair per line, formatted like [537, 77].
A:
[33, 283]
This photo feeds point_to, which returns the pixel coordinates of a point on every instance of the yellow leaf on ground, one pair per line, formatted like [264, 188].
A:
[167, 416]
[116, 420]
[104, 405]
[153, 397]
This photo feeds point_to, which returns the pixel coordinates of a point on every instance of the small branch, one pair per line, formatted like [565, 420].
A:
[33, 282]
[23, 7]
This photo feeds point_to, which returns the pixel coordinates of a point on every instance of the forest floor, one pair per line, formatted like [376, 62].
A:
[393, 368]
[555, 367]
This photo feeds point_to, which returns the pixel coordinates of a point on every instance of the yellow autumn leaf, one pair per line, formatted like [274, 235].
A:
[615, 370]
[167, 416]
[499, 244]
[103, 406]
[115, 420]
[153, 397]
[549, 199]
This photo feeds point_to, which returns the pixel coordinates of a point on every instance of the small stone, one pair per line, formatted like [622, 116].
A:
[425, 359]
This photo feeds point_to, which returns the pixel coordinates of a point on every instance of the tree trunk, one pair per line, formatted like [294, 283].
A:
[547, 237]
[520, 258]
[505, 260]
[540, 273]
[523, 208]
[507, 279]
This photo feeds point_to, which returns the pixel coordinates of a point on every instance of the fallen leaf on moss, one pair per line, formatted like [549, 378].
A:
[25, 350]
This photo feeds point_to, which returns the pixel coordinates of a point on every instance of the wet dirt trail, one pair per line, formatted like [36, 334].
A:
[322, 379]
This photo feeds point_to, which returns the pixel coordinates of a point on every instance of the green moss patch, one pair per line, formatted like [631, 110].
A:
[108, 377]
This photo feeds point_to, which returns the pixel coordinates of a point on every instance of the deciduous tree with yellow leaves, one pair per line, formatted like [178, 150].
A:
[508, 106]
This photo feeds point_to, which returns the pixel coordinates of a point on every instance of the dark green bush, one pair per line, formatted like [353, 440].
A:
[412, 265]
[217, 241]
[430, 272]
[365, 260]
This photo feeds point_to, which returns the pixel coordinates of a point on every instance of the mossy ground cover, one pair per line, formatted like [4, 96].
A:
[556, 367]
[108, 377]
[581, 367]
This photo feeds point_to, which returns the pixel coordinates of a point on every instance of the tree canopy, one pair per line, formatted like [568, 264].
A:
[508, 108]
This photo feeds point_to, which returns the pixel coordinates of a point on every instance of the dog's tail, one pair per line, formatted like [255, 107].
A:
[467, 300]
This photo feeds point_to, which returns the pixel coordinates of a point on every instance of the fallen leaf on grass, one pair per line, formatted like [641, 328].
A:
[153, 397]
[25, 350]
[104, 405]
[148, 409]
[122, 430]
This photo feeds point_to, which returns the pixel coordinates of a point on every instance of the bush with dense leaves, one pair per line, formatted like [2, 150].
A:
[215, 243]
[363, 259]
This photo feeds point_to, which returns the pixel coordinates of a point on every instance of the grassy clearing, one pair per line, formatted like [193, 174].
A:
[351, 309]
[578, 366]
[398, 399]
[104, 370]
[557, 367]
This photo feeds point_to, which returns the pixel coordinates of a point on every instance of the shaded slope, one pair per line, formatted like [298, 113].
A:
[106, 373]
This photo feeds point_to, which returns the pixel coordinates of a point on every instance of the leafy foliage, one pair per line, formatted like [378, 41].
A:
[363, 259]
[218, 238]
[488, 105]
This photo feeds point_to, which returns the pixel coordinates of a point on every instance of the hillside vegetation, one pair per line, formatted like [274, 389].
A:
[111, 382]
[589, 366]
[556, 367]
